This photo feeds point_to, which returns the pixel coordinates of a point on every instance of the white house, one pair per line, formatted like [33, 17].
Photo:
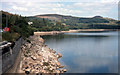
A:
[30, 23]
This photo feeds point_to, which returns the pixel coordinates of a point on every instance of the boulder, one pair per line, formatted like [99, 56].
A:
[43, 71]
[41, 40]
[57, 71]
[53, 51]
[65, 70]
[33, 57]
[27, 71]
[58, 63]
[51, 69]
[29, 45]
[61, 66]
[59, 55]
[61, 71]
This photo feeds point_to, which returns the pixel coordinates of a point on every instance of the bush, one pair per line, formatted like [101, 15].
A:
[45, 64]
[28, 41]
[10, 36]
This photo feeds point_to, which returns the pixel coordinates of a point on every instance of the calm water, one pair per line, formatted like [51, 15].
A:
[95, 52]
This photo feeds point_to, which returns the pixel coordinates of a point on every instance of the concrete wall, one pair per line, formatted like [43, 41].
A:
[47, 33]
[9, 57]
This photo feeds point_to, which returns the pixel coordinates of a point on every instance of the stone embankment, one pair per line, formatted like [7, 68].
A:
[38, 58]
[72, 31]
[48, 33]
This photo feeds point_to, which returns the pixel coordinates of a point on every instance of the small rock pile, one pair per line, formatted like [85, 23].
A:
[38, 58]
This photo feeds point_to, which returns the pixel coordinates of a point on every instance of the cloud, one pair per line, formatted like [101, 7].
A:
[104, 1]
[19, 8]
[66, 11]
[61, 1]
[81, 9]
[96, 8]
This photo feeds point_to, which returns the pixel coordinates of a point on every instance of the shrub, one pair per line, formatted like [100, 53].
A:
[45, 64]
[28, 41]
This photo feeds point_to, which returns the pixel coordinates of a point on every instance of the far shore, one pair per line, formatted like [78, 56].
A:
[72, 31]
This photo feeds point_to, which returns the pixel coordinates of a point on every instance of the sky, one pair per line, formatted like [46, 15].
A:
[78, 8]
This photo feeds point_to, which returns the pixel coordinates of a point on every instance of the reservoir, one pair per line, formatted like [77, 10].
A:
[86, 52]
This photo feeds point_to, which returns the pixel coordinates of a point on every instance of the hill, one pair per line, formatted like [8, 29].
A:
[96, 22]
[63, 18]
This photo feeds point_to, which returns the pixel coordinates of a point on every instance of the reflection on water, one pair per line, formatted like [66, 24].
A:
[87, 52]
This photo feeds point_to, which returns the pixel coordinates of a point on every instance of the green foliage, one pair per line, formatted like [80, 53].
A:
[40, 24]
[96, 22]
[71, 22]
[17, 24]
[10, 36]
[45, 64]
[28, 41]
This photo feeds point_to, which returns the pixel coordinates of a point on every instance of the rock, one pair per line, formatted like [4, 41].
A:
[61, 66]
[44, 67]
[23, 47]
[59, 55]
[53, 51]
[61, 71]
[43, 71]
[57, 71]
[29, 45]
[41, 40]
[39, 54]
[41, 64]
[26, 67]
[23, 69]
[37, 72]
[30, 64]
[58, 63]
[33, 57]
[45, 45]
[51, 69]
[65, 70]
[27, 71]
[33, 70]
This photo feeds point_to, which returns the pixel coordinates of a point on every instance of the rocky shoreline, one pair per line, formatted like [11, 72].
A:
[38, 58]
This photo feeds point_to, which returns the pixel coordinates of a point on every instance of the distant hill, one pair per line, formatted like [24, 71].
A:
[64, 18]
[96, 22]
[55, 17]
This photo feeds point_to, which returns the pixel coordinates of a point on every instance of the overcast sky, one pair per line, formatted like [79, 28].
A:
[80, 8]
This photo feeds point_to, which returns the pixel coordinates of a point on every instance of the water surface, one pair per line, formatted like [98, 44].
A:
[87, 52]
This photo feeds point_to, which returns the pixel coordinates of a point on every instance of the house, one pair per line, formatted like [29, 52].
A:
[30, 23]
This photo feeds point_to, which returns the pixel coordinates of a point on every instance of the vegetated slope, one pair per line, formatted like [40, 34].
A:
[96, 22]
[57, 17]
[44, 24]
[18, 26]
